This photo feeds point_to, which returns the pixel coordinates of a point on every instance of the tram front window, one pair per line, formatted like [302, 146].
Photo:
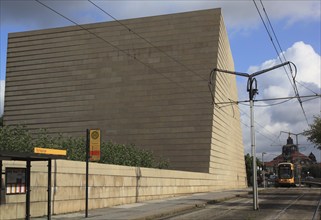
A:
[285, 173]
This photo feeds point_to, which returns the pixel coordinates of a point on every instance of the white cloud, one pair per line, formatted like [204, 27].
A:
[2, 86]
[287, 116]
[307, 61]
[237, 14]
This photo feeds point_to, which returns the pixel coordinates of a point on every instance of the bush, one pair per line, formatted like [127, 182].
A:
[21, 140]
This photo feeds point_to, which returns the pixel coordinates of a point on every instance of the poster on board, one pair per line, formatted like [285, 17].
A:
[15, 180]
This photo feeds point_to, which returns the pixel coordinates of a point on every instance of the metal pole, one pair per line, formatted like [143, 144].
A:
[87, 170]
[252, 89]
[263, 172]
[0, 181]
[49, 190]
[28, 190]
[255, 193]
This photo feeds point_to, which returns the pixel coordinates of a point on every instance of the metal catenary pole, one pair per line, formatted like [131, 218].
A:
[263, 172]
[252, 89]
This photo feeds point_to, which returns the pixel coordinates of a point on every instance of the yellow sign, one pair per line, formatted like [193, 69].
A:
[40, 150]
[94, 143]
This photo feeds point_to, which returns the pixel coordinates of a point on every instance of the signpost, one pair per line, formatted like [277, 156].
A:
[94, 143]
[92, 154]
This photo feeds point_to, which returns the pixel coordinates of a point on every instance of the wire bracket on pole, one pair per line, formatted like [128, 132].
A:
[252, 90]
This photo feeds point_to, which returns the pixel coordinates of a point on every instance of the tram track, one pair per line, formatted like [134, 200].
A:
[304, 206]
[317, 213]
[287, 207]
[274, 204]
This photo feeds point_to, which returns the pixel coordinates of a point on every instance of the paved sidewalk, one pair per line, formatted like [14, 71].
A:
[155, 208]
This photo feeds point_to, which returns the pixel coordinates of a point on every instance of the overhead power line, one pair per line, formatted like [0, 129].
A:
[147, 41]
[279, 54]
[121, 50]
[82, 27]
[307, 88]
[246, 125]
[270, 133]
[270, 99]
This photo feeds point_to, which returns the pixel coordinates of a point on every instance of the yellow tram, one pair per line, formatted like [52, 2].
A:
[286, 174]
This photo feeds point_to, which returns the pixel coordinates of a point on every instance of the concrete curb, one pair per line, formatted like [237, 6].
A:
[161, 209]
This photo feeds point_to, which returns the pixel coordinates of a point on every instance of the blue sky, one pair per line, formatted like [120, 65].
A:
[296, 23]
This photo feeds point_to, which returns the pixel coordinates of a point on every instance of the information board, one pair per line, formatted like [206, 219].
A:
[15, 180]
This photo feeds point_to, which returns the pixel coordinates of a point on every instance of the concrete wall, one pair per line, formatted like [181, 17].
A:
[109, 185]
[151, 92]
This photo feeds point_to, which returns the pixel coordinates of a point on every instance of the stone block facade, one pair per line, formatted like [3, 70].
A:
[144, 84]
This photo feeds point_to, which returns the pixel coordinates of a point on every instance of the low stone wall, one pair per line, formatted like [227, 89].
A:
[109, 185]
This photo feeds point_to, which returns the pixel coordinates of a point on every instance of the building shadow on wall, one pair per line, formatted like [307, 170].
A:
[138, 176]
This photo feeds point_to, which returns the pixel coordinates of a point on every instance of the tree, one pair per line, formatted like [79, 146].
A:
[314, 133]
[248, 166]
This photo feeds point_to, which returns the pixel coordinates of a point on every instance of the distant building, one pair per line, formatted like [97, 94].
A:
[290, 153]
[148, 88]
[313, 158]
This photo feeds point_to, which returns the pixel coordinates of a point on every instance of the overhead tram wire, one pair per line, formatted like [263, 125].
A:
[278, 53]
[149, 42]
[265, 136]
[270, 99]
[296, 91]
[247, 115]
[121, 50]
[268, 138]
[310, 100]
[294, 86]
[103, 40]
[307, 88]
[271, 39]
[274, 34]
[231, 102]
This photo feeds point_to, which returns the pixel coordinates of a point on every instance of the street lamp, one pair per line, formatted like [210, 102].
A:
[252, 90]
[263, 173]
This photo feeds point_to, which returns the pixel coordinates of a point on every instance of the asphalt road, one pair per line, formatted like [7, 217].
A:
[276, 203]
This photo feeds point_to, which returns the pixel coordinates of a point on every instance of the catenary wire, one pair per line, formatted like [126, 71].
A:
[273, 104]
[293, 82]
[272, 29]
[226, 104]
[307, 88]
[283, 55]
[256, 131]
[101, 39]
[281, 52]
[123, 51]
[147, 41]
[231, 103]
[247, 115]
[269, 99]
[271, 39]
[113, 45]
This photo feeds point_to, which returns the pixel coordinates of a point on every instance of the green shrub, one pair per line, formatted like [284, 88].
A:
[21, 140]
